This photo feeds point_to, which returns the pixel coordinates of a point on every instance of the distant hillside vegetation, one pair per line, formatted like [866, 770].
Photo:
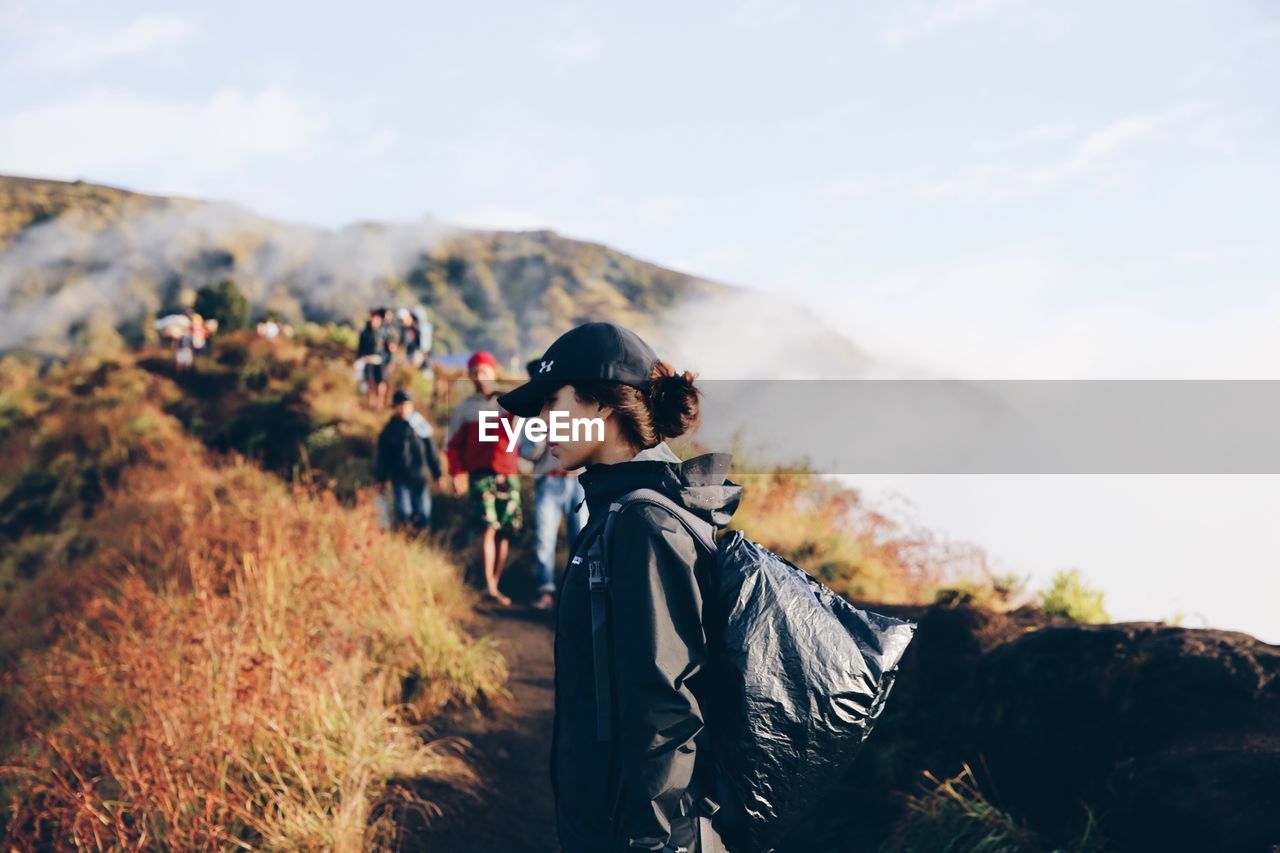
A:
[25, 202]
[77, 257]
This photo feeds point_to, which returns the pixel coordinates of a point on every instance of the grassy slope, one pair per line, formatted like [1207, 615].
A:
[198, 651]
[30, 201]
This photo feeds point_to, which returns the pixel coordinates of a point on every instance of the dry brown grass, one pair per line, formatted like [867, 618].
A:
[853, 548]
[234, 662]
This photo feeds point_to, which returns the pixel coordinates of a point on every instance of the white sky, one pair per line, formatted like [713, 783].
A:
[981, 188]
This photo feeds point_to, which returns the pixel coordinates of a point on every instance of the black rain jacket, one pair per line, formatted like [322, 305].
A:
[644, 789]
[372, 341]
[404, 456]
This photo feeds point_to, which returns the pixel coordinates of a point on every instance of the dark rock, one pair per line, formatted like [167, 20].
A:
[1170, 736]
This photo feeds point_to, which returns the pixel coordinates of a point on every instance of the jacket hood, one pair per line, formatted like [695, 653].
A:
[700, 484]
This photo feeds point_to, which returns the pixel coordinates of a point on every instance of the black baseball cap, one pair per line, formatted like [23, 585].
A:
[400, 396]
[591, 351]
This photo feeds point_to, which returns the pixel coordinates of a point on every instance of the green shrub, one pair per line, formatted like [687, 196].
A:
[343, 336]
[224, 302]
[1068, 596]
[335, 334]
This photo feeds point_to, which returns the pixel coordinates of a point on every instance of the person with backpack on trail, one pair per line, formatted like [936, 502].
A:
[707, 692]
[408, 460]
[650, 786]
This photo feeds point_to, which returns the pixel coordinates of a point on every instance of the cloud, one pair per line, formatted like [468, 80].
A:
[847, 187]
[1262, 34]
[108, 132]
[11, 11]
[62, 49]
[764, 14]
[926, 17]
[1003, 317]
[574, 41]
[501, 217]
[654, 210]
[378, 144]
[712, 260]
[1089, 156]
[1029, 137]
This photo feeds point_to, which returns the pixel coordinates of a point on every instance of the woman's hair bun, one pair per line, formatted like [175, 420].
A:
[673, 400]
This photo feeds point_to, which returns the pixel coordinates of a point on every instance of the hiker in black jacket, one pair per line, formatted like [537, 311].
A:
[372, 352]
[632, 770]
[408, 460]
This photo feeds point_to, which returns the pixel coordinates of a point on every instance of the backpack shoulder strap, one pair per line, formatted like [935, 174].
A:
[702, 530]
[598, 581]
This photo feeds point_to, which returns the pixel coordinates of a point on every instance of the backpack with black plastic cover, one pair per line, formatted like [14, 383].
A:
[796, 678]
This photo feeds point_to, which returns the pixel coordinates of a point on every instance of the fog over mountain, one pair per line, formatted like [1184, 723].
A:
[78, 254]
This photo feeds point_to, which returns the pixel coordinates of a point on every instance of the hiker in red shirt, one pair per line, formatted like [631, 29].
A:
[487, 469]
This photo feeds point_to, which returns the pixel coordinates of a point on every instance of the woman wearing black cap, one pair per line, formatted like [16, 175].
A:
[631, 765]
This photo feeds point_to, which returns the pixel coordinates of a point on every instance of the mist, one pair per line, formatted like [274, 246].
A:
[121, 268]
[1191, 548]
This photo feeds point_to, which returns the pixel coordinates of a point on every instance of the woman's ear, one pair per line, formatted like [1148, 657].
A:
[602, 411]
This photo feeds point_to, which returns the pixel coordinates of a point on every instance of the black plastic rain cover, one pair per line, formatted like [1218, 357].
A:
[800, 676]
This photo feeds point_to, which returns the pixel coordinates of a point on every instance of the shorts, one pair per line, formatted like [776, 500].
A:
[495, 501]
[373, 373]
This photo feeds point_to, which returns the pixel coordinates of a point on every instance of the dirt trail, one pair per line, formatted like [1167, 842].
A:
[510, 751]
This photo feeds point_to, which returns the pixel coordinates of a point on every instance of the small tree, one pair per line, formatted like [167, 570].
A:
[224, 302]
[1068, 596]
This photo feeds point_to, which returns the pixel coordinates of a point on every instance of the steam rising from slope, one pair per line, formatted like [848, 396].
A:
[73, 269]
[71, 253]
[746, 334]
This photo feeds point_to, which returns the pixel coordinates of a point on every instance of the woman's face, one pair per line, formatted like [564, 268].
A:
[574, 454]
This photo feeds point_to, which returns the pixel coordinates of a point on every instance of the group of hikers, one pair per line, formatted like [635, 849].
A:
[487, 472]
[188, 333]
[387, 337]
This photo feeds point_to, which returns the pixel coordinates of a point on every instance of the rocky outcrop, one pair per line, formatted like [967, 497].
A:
[1170, 736]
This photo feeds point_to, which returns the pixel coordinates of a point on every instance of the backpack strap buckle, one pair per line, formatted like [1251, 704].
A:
[597, 580]
[598, 583]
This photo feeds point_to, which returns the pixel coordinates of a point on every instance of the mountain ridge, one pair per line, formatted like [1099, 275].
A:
[77, 253]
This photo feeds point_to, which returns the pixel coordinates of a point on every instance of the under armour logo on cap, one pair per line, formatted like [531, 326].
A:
[586, 353]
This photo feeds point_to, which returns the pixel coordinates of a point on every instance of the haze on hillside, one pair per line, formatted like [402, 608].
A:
[74, 254]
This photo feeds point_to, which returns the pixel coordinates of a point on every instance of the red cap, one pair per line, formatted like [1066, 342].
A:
[482, 357]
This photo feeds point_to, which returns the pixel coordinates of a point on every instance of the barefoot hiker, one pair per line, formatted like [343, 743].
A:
[487, 469]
